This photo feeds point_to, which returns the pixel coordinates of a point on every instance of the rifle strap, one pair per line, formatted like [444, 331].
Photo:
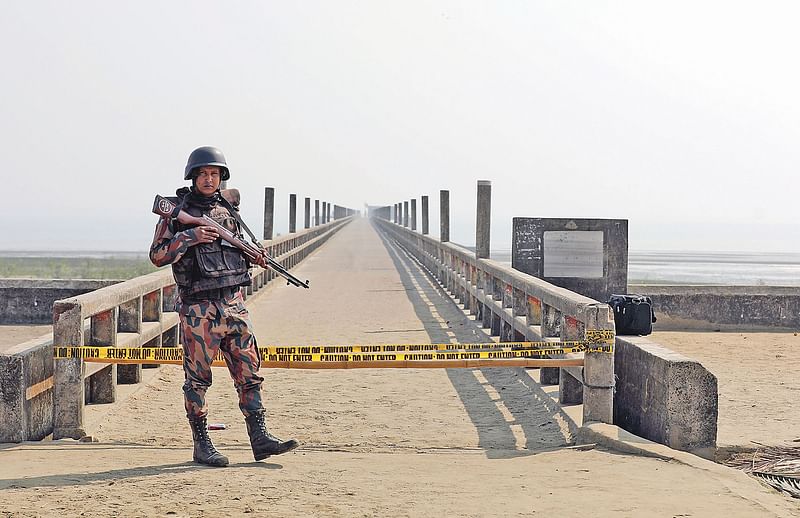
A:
[235, 213]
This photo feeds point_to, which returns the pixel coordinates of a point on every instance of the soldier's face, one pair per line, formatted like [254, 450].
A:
[207, 180]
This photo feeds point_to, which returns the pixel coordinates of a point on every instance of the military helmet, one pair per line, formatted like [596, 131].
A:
[206, 155]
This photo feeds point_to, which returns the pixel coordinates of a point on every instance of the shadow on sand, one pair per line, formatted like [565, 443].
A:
[83, 478]
[530, 407]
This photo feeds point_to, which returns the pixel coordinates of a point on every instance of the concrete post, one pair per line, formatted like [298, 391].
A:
[424, 215]
[269, 211]
[292, 213]
[413, 214]
[324, 212]
[570, 389]
[328, 219]
[483, 220]
[551, 328]
[598, 371]
[316, 213]
[68, 386]
[307, 220]
[444, 216]
[103, 331]
[130, 321]
[405, 214]
[151, 307]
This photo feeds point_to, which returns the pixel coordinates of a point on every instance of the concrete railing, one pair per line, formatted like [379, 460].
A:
[517, 306]
[680, 307]
[137, 313]
[643, 387]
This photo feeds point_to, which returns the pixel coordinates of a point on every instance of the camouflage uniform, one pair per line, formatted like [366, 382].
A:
[209, 273]
[213, 316]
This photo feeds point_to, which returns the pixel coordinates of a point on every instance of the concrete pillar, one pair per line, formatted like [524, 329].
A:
[130, 321]
[68, 386]
[103, 331]
[413, 214]
[151, 307]
[292, 213]
[424, 215]
[307, 219]
[444, 216]
[328, 218]
[324, 212]
[483, 220]
[316, 213]
[570, 389]
[269, 211]
[551, 328]
[405, 214]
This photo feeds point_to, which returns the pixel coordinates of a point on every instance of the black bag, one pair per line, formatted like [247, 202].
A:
[633, 314]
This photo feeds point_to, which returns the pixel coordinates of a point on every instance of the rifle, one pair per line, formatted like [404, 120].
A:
[165, 208]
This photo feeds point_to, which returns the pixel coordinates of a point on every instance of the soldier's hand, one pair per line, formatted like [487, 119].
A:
[203, 234]
[261, 261]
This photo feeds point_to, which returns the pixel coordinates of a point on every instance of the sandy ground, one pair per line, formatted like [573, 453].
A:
[486, 442]
[758, 377]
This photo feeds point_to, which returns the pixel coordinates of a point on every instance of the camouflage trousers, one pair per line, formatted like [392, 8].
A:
[213, 326]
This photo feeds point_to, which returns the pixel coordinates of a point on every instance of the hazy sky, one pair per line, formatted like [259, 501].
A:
[683, 117]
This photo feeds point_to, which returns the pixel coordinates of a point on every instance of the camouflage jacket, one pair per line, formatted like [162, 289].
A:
[207, 271]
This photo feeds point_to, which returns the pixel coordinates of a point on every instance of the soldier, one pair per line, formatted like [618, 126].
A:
[209, 274]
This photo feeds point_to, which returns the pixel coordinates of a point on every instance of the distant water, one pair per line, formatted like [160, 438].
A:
[722, 268]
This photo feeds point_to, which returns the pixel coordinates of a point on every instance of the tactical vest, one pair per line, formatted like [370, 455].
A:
[210, 266]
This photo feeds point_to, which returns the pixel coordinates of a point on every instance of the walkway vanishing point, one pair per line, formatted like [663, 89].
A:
[391, 442]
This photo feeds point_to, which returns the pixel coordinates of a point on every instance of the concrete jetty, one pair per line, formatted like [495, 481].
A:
[484, 442]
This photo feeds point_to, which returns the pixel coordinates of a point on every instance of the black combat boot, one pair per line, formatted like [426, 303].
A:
[204, 451]
[264, 443]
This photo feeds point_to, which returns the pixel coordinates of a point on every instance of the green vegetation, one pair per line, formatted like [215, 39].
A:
[74, 267]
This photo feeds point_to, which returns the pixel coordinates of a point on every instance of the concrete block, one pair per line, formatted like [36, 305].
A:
[664, 397]
[26, 391]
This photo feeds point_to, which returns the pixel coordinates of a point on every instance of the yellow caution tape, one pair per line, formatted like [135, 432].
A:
[380, 355]
[410, 348]
[174, 355]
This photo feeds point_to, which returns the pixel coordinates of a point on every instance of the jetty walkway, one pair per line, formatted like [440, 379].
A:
[374, 442]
